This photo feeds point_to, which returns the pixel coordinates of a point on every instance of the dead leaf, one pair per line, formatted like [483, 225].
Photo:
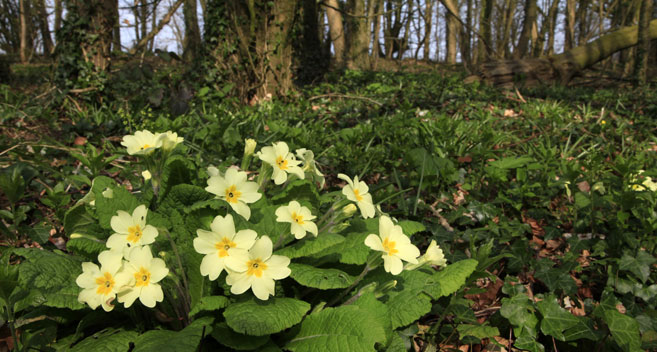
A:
[79, 140]
[584, 186]
[510, 113]
[464, 159]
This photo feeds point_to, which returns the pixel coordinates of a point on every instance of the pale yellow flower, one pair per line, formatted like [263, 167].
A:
[356, 191]
[434, 255]
[643, 183]
[100, 285]
[131, 230]
[282, 161]
[299, 217]
[170, 140]
[249, 146]
[145, 272]
[146, 175]
[223, 248]
[259, 271]
[394, 244]
[142, 142]
[310, 167]
[236, 190]
[349, 210]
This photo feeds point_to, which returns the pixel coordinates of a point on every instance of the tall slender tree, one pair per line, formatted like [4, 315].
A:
[192, 40]
[643, 48]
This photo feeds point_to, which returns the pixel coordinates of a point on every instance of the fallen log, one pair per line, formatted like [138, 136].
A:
[559, 68]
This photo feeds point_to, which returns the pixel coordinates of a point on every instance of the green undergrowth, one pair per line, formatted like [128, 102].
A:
[541, 195]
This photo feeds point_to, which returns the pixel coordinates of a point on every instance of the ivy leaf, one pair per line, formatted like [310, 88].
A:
[520, 313]
[108, 340]
[255, 317]
[53, 274]
[528, 342]
[583, 329]
[322, 279]
[451, 278]
[478, 331]
[639, 265]
[624, 329]
[186, 339]
[311, 246]
[227, 337]
[209, 304]
[555, 318]
[346, 328]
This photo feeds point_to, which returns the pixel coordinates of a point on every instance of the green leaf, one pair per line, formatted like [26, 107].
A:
[347, 329]
[106, 208]
[411, 227]
[639, 265]
[322, 279]
[183, 197]
[299, 190]
[86, 247]
[520, 313]
[452, 278]
[583, 329]
[310, 246]
[380, 311]
[177, 171]
[478, 331]
[53, 274]
[8, 277]
[108, 340]
[527, 342]
[227, 337]
[209, 304]
[255, 317]
[79, 219]
[352, 250]
[624, 329]
[511, 162]
[186, 339]
[555, 318]
[408, 301]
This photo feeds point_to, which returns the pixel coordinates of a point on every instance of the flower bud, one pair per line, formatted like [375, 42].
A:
[146, 175]
[170, 140]
[434, 255]
[349, 210]
[249, 146]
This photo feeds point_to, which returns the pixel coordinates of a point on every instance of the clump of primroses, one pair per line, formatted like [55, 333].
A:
[129, 272]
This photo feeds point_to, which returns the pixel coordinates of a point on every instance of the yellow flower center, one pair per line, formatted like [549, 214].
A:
[145, 146]
[134, 233]
[255, 267]
[281, 163]
[232, 194]
[223, 246]
[142, 277]
[105, 284]
[357, 195]
[298, 218]
[389, 247]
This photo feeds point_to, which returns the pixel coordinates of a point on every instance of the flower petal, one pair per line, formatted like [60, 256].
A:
[151, 294]
[241, 209]
[239, 282]
[128, 296]
[211, 266]
[121, 222]
[392, 264]
[277, 267]
[374, 242]
[262, 248]
[262, 288]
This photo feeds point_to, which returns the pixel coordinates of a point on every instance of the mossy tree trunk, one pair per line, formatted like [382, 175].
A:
[562, 67]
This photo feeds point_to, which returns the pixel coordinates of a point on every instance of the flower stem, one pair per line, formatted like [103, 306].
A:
[184, 293]
[369, 266]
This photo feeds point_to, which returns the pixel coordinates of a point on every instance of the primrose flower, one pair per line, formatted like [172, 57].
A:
[299, 217]
[235, 189]
[434, 255]
[249, 146]
[131, 230]
[259, 271]
[170, 140]
[146, 175]
[356, 191]
[646, 184]
[213, 171]
[142, 142]
[309, 165]
[283, 162]
[223, 248]
[394, 244]
[100, 285]
[349, 210]
[145, 273]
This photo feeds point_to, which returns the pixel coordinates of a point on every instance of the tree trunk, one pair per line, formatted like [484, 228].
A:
[358, 36]
[453, 24]
[526, 34]
[504, 49]
[336, 32]
[376, 46]
[583, 23]
[192, 41]
[551, 27]
[143, 18]
[570, 24]
[643, 49]
[58, 15]
[564, 66]
[485, 40]
[101, 24]
[466, 39]
[26, 44]
[42, 19]
[163, 22]
[546, 25]
[116, 40]
[428, 17]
